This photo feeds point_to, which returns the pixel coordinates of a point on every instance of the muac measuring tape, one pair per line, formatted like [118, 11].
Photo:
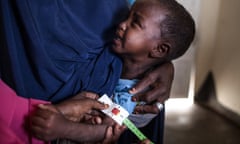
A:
[119, 114]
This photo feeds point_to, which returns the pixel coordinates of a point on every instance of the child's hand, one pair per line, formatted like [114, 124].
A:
[146, 141]
[114, 130]
[113, 133]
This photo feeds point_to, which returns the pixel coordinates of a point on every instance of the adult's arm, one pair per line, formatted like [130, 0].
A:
[158, 83]
[48, 125]
[14, 114]
[50, 122]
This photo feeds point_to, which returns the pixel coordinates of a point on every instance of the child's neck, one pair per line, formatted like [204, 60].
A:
[133, 69]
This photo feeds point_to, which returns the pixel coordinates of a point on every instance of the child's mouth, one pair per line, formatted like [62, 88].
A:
[117, 40]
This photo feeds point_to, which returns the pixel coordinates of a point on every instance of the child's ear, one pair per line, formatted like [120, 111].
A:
[161, 50]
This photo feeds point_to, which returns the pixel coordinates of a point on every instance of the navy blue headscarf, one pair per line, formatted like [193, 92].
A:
[53, 49]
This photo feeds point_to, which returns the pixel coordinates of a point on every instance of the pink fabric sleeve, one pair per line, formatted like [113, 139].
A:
[14, 116]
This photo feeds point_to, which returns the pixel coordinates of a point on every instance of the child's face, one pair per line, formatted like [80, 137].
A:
[140, 31]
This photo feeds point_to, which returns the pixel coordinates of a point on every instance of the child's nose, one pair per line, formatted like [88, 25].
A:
[123, 26]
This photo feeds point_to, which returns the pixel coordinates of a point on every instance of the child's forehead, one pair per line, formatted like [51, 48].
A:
[147, 3]
[148, 6]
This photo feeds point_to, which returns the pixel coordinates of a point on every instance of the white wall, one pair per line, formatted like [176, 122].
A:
[226, 55]
[219, 49]
[206, 35]
[183, 65]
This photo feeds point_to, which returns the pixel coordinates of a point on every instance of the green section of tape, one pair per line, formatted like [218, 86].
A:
[135, 130]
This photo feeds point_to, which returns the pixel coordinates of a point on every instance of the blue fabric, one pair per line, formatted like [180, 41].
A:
[153, 130]
[131, 2]
[52, 49]
[121, 95]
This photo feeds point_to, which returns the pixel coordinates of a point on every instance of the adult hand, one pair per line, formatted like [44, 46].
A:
[154, 87]
[75, 109]
[86, 94]
[48, 124]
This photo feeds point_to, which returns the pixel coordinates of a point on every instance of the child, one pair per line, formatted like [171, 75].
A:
[155, 31]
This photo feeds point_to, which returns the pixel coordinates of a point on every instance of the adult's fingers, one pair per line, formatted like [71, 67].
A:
[142, 109]
[156, 84]
[90, 105]
[37, 132]
[164, 71]
[143, 84]
[86, 94]
[48, 107]
[38, 128]
[42, 113]
[37, 121]
[156, 93]
[151, 99]
[97, 105]
[77, 107]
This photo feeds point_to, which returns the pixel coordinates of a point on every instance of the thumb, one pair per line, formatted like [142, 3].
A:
[97, 105]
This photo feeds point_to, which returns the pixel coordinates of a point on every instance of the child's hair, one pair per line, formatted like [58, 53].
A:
[178, 28]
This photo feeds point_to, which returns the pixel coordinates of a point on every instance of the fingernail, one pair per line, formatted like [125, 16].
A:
[106, 105]
[132, 90]
[135, 112]
[41, 106]
[134, 99]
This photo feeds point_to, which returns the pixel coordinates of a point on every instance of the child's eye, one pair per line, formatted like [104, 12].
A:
[133, 24]
[136, 23]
